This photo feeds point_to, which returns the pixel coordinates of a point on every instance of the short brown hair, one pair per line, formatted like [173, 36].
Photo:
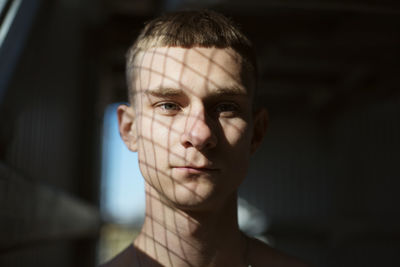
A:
[187, 29]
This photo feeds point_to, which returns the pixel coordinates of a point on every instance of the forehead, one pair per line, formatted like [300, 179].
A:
[191, 69]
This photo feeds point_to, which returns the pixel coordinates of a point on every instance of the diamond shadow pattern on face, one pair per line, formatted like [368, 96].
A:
[194, 129]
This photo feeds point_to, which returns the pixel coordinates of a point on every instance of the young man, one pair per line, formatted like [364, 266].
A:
[192, 121]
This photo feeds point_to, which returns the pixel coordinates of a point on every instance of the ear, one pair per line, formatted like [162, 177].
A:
[260, 124]
[127, 127]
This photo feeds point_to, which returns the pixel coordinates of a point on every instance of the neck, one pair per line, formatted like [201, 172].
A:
[175, 237]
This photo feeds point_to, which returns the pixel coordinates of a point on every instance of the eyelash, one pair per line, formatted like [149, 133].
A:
[232, 107]
[232, 110]
[172, 111]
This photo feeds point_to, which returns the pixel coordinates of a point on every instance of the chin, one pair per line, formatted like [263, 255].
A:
[190, 197]
[203, 198]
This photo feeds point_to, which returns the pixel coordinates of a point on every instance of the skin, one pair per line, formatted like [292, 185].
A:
[194, 129]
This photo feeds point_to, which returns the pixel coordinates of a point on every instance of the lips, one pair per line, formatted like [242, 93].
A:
[195, 169]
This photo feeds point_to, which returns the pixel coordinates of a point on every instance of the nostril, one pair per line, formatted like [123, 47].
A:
[185, 140]
[200, 135]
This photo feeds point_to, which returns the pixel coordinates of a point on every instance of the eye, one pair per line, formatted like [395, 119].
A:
[168, 108]
[227, 109]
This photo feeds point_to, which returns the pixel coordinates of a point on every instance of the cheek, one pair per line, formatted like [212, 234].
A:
[160, 131]
[152, 149]
[151, 134]
[238, 137]
[156, 137]
[236, 133]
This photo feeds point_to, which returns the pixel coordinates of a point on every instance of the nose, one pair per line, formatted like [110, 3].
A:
[198, 132]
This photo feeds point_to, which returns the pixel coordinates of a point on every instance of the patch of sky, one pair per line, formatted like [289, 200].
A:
[122, 187]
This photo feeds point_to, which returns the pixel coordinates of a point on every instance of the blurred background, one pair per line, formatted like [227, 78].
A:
[323, 186]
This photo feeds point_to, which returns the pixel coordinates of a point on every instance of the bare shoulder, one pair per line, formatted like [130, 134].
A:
[260, 254]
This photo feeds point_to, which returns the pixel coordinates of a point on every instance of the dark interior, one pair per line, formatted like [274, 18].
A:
[326, 176]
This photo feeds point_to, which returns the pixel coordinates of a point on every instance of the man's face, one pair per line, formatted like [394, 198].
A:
[192, 124]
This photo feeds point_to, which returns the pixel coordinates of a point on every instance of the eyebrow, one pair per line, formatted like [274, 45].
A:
[229, 91]
[164, 92]
[174, 92]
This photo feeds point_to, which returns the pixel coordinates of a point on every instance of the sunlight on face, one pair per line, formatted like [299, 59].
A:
[194, 123]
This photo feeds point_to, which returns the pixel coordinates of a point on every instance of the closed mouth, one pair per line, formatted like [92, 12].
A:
[195, 168]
